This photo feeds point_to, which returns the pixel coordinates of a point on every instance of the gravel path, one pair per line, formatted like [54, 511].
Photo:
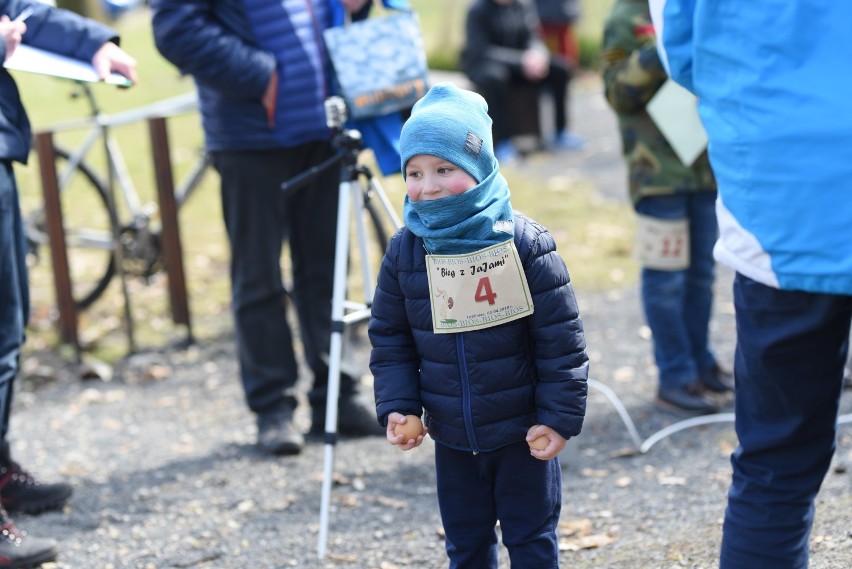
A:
[166, 475]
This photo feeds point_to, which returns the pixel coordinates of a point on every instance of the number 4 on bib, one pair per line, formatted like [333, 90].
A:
[483, 291]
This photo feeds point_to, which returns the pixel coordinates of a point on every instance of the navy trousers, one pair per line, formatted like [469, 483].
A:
[509, 485]
[791, 349]
[259, 217]
[14, 289]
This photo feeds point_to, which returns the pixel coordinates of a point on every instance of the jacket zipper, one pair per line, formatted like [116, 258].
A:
[465, 384]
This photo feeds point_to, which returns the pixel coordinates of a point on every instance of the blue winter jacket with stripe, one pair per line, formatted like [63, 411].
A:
[773, 83]
[482, 389]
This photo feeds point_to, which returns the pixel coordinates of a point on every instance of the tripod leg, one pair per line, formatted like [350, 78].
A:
[341, 254]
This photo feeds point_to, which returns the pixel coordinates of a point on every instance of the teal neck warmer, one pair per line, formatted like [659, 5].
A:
[464, 223]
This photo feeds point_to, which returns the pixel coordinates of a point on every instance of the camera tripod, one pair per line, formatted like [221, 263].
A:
[358, 193]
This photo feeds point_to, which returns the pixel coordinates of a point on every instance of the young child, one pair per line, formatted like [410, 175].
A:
[474, 320]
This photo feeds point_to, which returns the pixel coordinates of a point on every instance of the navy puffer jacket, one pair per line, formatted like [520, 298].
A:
[484, 389]
[231, 48]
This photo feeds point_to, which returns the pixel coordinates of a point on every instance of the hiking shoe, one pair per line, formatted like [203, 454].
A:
[21, 492]
[277, 435]
[354, 419]
[717, 380]
[689, 398]
[19, 550]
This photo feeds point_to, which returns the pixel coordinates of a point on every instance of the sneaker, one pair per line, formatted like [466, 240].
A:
[354, 419]
[717, 380]
[19, 550]
[21, 492]
[567, 140]
[277, 435]
[689, 397]
[506, 153]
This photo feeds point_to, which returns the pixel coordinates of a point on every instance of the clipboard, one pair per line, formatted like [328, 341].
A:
[34, 60]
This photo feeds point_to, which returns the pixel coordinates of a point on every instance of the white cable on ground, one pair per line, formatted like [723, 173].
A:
[644, 446]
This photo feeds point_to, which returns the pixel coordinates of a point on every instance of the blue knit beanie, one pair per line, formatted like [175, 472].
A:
[452, 124]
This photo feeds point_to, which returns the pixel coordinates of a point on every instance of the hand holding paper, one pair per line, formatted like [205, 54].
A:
[34, 60]
[12, 32]
[111, 58]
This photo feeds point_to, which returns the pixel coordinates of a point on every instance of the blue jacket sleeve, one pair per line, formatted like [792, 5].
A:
[558, 339]
[60, 31]
[394, 360]
[212, 47]
[673, 20]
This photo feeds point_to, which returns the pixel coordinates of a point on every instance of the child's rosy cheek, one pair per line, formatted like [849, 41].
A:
[412, 191]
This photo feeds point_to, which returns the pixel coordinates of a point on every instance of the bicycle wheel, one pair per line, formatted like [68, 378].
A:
[88, 229]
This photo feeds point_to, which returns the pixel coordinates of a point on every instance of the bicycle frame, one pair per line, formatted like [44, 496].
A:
[126, 219]
[101, 125]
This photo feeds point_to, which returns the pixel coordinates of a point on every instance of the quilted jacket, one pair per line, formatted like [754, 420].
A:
[482, 389]
[231, 48]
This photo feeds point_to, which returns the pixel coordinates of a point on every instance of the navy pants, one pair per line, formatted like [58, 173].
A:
[259, 217]
[509, 485]
[14, 289]
[791, 349]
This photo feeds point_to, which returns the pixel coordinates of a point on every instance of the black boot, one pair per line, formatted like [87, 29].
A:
[277, 435]
[21, 492]
[717, 380]
[689, 398]
[355, 418]
[19, 550]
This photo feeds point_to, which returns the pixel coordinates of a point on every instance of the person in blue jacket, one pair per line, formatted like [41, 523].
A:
[474, 320]
[774, 98]
[262, 74]
[72, 35]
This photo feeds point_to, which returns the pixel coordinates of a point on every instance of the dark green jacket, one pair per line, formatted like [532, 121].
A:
[632, 74]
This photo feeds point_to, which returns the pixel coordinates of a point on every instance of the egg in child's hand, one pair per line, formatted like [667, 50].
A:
[411, 429]
[540, 443]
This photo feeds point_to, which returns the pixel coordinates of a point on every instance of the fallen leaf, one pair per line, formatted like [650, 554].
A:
[585, 542]
[580, 526]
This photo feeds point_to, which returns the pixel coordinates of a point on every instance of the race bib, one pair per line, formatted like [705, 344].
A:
[477, 290]
[662, 244]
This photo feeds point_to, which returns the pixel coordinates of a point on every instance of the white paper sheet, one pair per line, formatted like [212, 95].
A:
[34, 60]
[675, 112]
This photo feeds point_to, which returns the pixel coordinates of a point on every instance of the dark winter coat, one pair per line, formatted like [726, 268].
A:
[482, 389]
[499, 33]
